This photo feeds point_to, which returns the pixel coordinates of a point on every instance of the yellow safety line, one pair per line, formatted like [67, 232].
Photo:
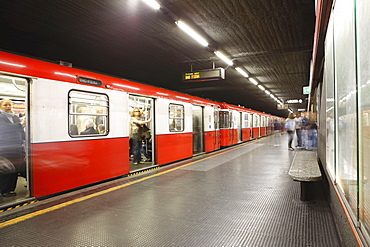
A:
[64, 204]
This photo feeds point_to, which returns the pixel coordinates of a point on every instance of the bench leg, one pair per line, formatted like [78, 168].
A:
[306, 191]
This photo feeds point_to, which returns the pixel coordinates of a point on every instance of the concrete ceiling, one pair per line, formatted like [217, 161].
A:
[271, 39]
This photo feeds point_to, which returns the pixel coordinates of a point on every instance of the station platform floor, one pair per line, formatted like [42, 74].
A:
[239, 196]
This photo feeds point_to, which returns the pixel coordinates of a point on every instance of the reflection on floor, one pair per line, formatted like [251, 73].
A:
[21, 190]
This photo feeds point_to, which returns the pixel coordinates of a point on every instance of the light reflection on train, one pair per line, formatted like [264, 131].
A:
[58, 102]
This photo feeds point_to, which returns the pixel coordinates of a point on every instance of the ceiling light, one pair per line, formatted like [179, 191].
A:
[261, 87]
[152, 4]
[192, 33]
[267, 92]
[224, 58]
[242, 72]
[253, 81]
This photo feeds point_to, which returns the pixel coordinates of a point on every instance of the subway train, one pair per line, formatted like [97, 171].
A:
[56, 101]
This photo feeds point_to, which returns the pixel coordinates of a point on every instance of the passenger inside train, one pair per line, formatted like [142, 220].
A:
[89, 123]
[13, 129]
[11, 146]
[145, 153]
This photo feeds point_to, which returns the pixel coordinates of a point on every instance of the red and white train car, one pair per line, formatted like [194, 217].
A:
[57, 100]
[238, 124]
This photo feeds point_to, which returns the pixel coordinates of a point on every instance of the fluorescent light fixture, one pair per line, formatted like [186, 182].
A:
[13, 64]
[242, 72]
[272, 96]
[191, 33]
[253, 81]
[267, 92]
[261, 87]
[152, 4]
[224, 58]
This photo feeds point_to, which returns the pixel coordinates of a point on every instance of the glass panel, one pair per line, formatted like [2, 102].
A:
[216, 119]
[197, 129]
[246, 120]
[330, 100]
[176, 118]
[346, 100]
[256, 121]
[224, 119]
[363, 54]
[88, 114]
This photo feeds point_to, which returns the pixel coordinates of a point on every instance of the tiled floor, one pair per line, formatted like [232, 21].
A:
[241, 196]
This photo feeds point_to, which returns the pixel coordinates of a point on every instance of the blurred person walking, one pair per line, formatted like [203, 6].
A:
[290, 128]
[298, 131]
[277, 128]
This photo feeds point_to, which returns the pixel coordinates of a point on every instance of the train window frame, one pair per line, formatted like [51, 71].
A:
[89, 102]
[224, 119]
[178, 119]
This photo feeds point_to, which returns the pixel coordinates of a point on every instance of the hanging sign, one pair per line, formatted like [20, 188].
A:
[306, 90]
[294, 101]
[204, 75]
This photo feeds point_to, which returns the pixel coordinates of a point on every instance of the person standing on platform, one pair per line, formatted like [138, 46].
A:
[298, 125]
[290, 128]
[311, 133]
[304, 124]
[11, 146]
[277, 128]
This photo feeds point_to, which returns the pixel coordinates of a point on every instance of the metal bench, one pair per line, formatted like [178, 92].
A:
[306, 170]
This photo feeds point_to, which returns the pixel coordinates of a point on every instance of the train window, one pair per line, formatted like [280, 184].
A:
[176, 118]
[88, 114]
[246, 120]
[255, 120]
[216, 119]
[225, 119]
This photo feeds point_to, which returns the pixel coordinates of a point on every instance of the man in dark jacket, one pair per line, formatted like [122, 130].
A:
[89, 123]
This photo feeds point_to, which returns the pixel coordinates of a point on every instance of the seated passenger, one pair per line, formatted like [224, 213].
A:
[73, 130]
[101, 128]
[89, 123]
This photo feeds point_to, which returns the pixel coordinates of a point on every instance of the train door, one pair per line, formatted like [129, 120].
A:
[251, 125]
[15, 130]
[231, 128]
[217, 135]
[147, 150]
[240, 127]
[198, 146]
